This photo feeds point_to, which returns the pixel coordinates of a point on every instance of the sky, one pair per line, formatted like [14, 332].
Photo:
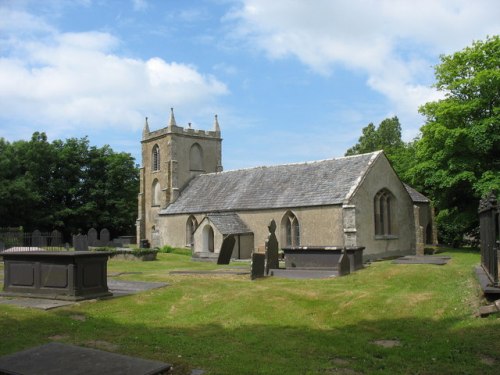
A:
[290, 80]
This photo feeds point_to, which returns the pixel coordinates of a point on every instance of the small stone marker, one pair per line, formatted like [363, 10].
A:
[272, 246]
[104, 237]
[37, 240]
[344, 267]
[226, 250]
[56, 238]
[92, 237]
[258, 265]
[80, 242]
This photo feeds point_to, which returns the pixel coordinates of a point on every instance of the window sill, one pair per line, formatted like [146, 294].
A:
[386, 237]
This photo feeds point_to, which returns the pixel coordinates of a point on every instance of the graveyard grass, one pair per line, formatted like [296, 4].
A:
[232, 325]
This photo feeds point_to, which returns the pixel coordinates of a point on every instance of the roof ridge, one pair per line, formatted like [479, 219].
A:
[292, 164]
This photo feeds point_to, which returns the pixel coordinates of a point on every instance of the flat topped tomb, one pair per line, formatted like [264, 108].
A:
[67, 275]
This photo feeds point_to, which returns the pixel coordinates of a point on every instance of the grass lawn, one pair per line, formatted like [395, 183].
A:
[232, 325]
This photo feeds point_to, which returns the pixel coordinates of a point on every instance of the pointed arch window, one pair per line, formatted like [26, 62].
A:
[155, 158]
[191, 226]
[384, 205]
[291, 229]
[196, 158]
[155, 193]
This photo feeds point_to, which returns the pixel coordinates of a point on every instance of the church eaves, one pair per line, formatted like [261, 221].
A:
[320, 183]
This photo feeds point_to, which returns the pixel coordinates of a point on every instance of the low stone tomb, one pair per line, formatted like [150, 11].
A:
[322, 257]
[66, 275]
[63, 359]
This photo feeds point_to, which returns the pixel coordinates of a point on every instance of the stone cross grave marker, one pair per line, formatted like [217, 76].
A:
[272, 248]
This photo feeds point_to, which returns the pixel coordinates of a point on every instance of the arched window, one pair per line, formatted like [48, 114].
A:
[155, 158]
[196, 158]
[290, 229]
[191, 225]
[208, 239]
[155, 193]
[384, 205]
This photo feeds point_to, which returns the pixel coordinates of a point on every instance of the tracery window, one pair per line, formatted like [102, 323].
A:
[384, 205]
[291, 229]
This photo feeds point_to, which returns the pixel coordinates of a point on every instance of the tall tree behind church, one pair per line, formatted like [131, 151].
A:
[387, 137]
[458, 156]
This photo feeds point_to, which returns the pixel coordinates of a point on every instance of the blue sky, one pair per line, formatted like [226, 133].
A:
[291, 80]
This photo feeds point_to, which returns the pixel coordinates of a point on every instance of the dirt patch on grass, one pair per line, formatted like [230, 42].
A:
[103, 345]
[80, 318]
[487, 360]
[387, 343]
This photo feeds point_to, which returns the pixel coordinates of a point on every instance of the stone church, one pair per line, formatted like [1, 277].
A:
[187, 200]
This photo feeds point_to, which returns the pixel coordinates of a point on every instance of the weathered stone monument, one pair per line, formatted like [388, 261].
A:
[80, 242]
[92, 237]
[272, 247]
[226, 250]
[258, 266]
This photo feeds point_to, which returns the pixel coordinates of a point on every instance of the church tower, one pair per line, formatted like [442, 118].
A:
[171, 157]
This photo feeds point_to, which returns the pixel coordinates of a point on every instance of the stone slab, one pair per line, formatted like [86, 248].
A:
[63, 359]
[485, 283]
[303, 274]
[422, 259]
[36, 303]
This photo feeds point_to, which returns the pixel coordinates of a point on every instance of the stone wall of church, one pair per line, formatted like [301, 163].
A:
[318, 226]
[402, 241]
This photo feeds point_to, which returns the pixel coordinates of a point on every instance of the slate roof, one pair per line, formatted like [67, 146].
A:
[229, 223]
[320, 183]
[416, 197]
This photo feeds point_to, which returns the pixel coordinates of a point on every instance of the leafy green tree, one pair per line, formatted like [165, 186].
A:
[387, 137]
[66, 185]
[458, 155]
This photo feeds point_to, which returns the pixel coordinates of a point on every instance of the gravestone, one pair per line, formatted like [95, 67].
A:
[92, 237]
[226, 250]
[80, 242]
[56, 238]
[258, 265]
[344, 267]
[37, 240]
[104, 237]
[272, 257]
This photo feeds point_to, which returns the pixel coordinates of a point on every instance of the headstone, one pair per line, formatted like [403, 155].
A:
[80, 242]
[272, 245]
[258, 265]
[226, 250]
[37, 240]
[56, 238]
[104, 237]
[344, 267]
[92, 237]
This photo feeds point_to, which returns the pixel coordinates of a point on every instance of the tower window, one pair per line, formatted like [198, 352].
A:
[155, 193]
[155, 158]
[196, 158]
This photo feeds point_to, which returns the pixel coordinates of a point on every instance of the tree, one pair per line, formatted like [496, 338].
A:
[387, 137]
[66, 185]
[458, 155]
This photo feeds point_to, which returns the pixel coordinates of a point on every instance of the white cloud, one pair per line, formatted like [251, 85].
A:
[70, 80]
[140, 5]
[394, 43]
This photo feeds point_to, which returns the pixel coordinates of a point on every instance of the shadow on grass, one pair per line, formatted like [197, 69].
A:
[446, 346]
